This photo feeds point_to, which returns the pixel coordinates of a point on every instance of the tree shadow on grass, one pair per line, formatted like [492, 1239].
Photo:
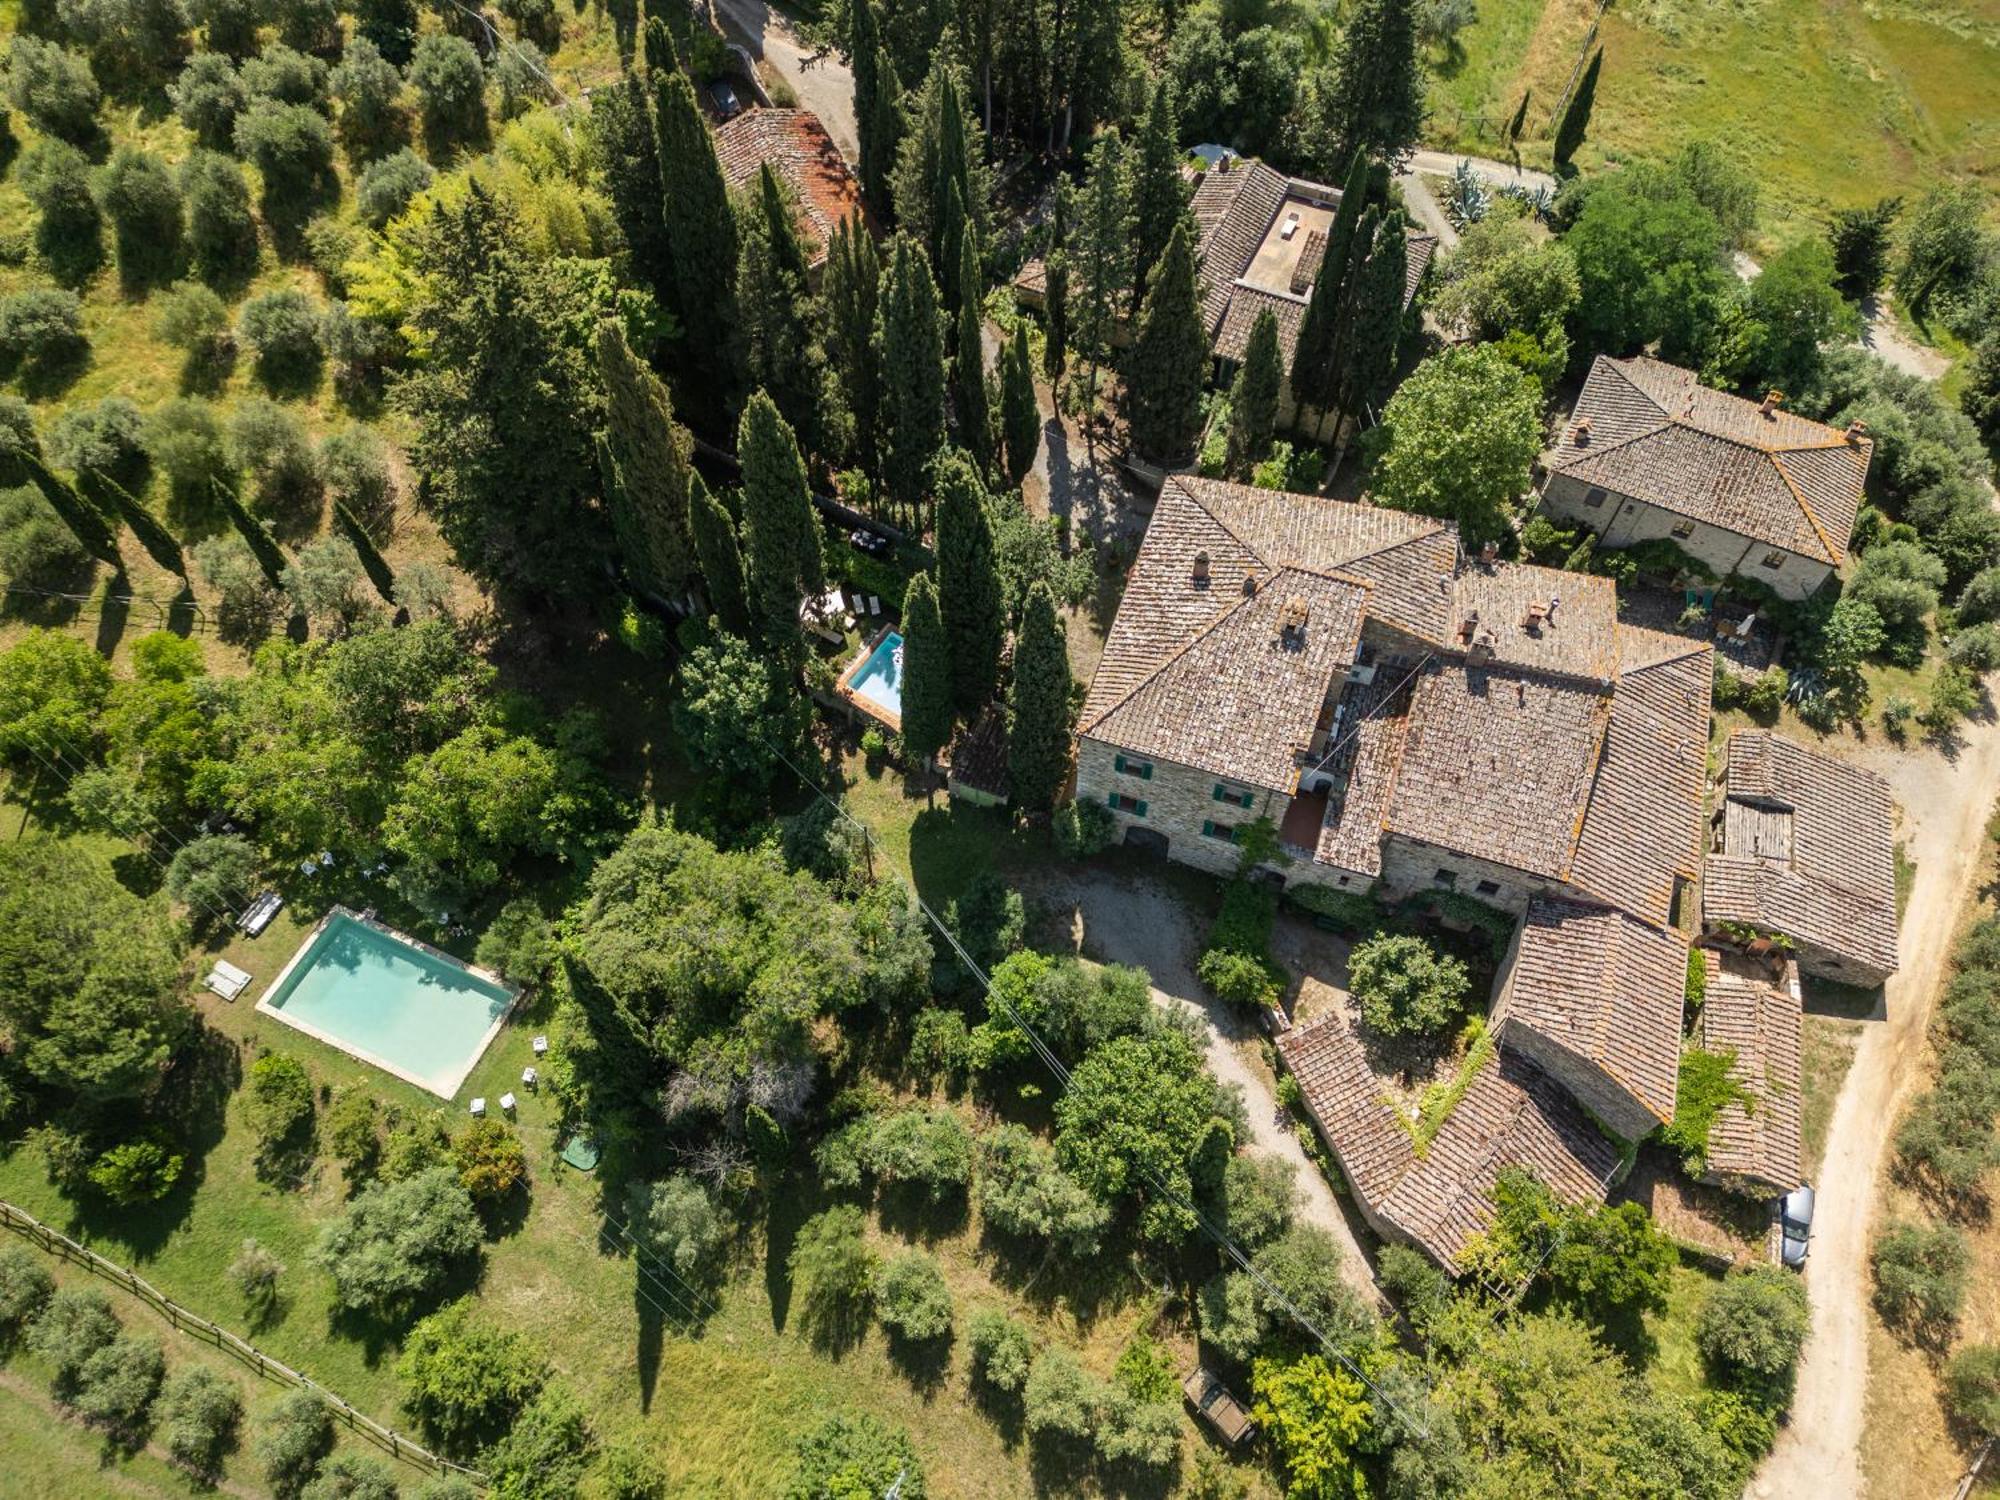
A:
[925, 1363]
[380, 1332]
[909, 1211]
[784, 1211]
[1060, 1465]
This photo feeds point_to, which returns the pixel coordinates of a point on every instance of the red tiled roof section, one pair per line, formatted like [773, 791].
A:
[1657, 434]
[1542, 618]
[1341, 1092]
[1757, 1016]
[798, 148]
[1608, 988]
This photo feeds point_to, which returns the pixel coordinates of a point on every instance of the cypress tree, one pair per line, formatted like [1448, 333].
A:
[943, 149]
[373, 563]
[949, 257]
[721, 558]
[701, 229]
[969, 398]
[877, 95]
[1253, 399]
[1020, 418]
[968, 584]
[927, 677]
[1520, 121]
[1038, 705]
[1169, 358]
[113, 500]
[1576, 114]
[953, 169]
[1376, 322]
[1055, 313]
[781, 550]
[1313, 351]
[270, 556]
[1100, 251]
[623, 120]
[1376, 98]
[648, 453]
[913, 362]
[1157, 197]
[850, 299]
[667, 44]
[79, 515]
[781, 354]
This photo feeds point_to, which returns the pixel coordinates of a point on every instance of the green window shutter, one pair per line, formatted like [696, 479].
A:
[1142, 809]
[1248, 798]
[1146, 770]
[1218, 794]
[1207, 829]
[1111, 799]
[1119, 762]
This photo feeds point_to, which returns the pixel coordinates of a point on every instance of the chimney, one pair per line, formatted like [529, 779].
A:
[1489, 552]
[1201, 567]
[1856, 430]
[1467, 627]
[1583, 432]
[1292, 619]
[1482, 647]
[1769, 406]
[1535, 615]
[1555, 603]
[1249, 584]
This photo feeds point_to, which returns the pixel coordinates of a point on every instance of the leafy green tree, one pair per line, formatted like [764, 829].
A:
[74, 1325]
[927, 672]
[351, 1476]
[1861, 240]
[284, 330]
[490, 1159]
[291, 146]
[1038, 707]
[293, 1440]
[323, 581]
[1168, 363]
[968, 584]
[386, 186]
[1946, 246]
[53, 89]
[1459, 438]
[1756, 1323]
[1404, 985]
[451, 93]
[287, 75]
[1254, 396]
[1901, 582]
[1920, 1276]
[1651, 266]
[212, 873]
[84, 521]
[1060, 1399]
[69, 234]
[833, 1274]
[1375, 102]
[464, 1380]
[397, 1242]
[651, 452]
[1024, 1192]
[1979, 397]
[1507, 274]
[856, 1456]
[701, 229]
[1790, 312]
[107, 436]
[138, 1171]
[911, 1297]
[1140, 1111]
[1319, 1419]
[676, 1222]
[280, 1102]
[1575, 119]
[783, 564]
[1002, 1349]
[1972, 1386]
[25, 1289]
[720, 558]
[199, 1413]
[369, 89]
[144, 203]
[117, 1386]
[547, 1452]
[89, 982]
[914, 376]
[221, 232]
[1020, 418]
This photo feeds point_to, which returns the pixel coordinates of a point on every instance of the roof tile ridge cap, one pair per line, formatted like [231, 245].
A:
[1833, 554]
[1174, 658]
[1692, 648]
[1620, 368]
[1601, 715]
[1653, 430]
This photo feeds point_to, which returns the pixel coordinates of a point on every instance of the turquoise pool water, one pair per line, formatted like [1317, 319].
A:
[880, 679]
[422, 1016]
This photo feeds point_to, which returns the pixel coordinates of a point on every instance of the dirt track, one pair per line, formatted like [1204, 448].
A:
[1945, 805]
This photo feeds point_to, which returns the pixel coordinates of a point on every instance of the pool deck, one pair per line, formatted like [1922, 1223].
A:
[445, 1087]
[845, 686]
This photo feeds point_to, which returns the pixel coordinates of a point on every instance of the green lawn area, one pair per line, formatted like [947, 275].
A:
[1830, 103]
[1676, 1365]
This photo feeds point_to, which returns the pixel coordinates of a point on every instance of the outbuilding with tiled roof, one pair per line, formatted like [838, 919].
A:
[795, 145]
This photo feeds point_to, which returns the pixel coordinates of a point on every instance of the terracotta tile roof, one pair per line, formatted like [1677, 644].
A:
[1756, 1016]
[1610, 989]
[1497, 764]
[1233, 210]
[1352, 839]
[1239, 315]
[1513, 1115]
[1575, 633]
[1341, 1091]
[979, 754]
[1837, 888]
[1642, 831]
[1656, 434]
[798, 148]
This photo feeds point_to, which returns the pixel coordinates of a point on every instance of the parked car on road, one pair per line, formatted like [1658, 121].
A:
[726, 103]
[871, 542]
[1795, 1214]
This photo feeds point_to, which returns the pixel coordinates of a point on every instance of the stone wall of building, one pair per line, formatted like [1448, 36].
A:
[1179, 800]
[1409, 866]
[1621, 521]
[1838, 967]
[1594, 1089]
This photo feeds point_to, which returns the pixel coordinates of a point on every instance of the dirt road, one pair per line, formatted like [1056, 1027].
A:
[826, 87]
[1127, 920]
[1945, 805]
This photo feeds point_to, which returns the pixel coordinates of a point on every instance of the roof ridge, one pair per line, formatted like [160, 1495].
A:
[1833, 555]
[1618, 367]
[1666, 421]
[1601, 714]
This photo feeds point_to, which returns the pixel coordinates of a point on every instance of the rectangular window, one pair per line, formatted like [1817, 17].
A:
[1683, 529]
[1446, 878]
[1127, 804]
[1593, 497]
[1488, 887]
[1143, 769]
[1223, 831]
[1226, 793]
[1774, 560]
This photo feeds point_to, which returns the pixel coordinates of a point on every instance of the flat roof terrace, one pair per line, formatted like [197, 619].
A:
[1297, 221]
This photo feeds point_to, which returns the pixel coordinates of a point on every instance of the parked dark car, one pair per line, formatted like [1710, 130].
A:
[871, 542]
[1795, 1215]
[726, 103]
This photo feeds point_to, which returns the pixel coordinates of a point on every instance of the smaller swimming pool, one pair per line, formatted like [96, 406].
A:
[877, 683]
[391, 1001]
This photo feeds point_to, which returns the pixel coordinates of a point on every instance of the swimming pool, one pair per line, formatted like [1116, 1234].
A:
[876, 683]
[391, 1001]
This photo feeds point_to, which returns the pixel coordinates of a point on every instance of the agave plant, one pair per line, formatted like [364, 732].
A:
[1466, 200]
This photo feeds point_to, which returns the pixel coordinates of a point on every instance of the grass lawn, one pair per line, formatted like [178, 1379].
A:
[1676, 1365]
[1830, 103]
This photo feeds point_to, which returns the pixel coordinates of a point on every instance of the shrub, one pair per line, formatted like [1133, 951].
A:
[1231, 1318]
[324, 581]
[272, 448]
[1236, 964]
[139, 1171]
[1060, 1398]
[352, 1476]
[1083, 828]
[54, 89]
[1024, 1192]
[291, 145]
[353, 465]
[929, 1149]
[398, 1242]
[1979, 602]
[25, 1289]
[1756, 1323]
[287, 76]
[1920, 1276]
[1257, 1197]
[855, 1456]
[940, 1047]
[546, 1452]
[212, 873]
[353, 1132]
[221, 231]
[368, 87]
[1418, 1286]
[41, 332]
[188, 449]
[911, 1297]
[280, 1102]
[1002, 1349]
[1900, 582]
[1766, 695]
[199, 1413]
[490, 1159]
[283, 329]
[117, 1386]
[36, 548]
[1975, 648]
[464, 1381]
[833, 1273]
[1236, 977]
[69, 235]
[293, 1440]
[254, 1273]
[522, 73]
[1404, 986]
[387, 186]
[416, 1143]
[208, 96]
[675, 1221]
[1954, 694]
[108, 436]
[73, 1326]
[1972, 1387]
[248, 604]
[144, 203]
[451, 92]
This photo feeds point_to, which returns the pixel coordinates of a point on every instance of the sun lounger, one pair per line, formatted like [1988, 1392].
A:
[874, 604]
[257, 916]
[226, 979]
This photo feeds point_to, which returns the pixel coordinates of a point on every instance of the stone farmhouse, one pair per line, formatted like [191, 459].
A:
[804, 158]
[1802, 852]
[1745, 486]
[1263, 238]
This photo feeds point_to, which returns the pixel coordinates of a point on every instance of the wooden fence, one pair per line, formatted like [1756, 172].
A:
[391, 1442]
